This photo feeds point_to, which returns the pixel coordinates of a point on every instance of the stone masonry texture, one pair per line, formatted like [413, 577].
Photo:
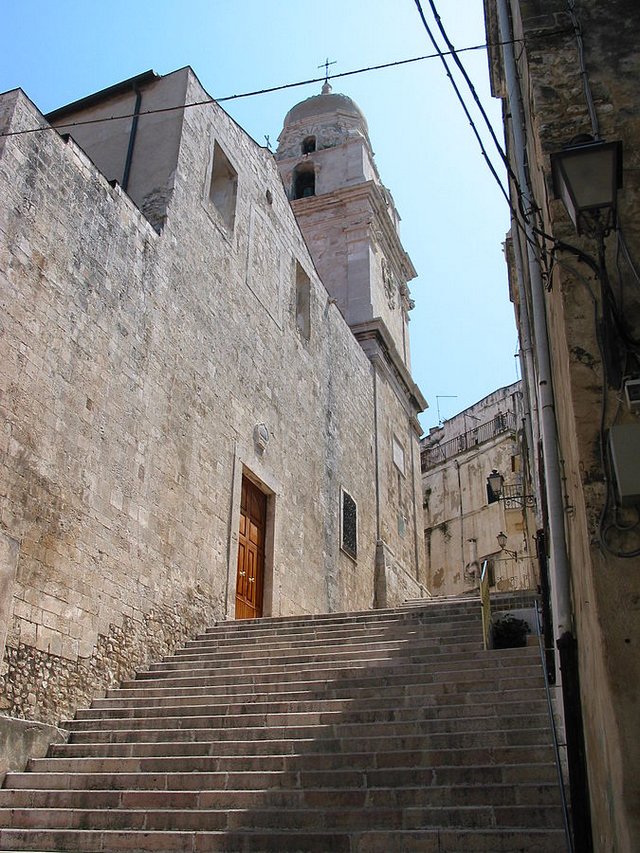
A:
[137, 355]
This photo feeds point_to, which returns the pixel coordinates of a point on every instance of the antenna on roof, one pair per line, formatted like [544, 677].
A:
[443, 397]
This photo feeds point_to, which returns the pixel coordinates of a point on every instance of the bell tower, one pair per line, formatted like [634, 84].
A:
[350, 224]
[347, 216]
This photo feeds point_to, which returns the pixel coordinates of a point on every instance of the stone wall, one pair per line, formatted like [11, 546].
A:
[135, 366]
[460, 525]
[605, 587]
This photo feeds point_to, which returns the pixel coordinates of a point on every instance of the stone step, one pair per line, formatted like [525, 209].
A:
[393, 647]
[402, 691]
[405, 696]
[377, 731]
[383, 797]
[287, 656]
[384, 702]
[332, 634]
[541, 773]
[207, 664]
[453, 727]
[197, 717]
[309, 819]
[276, 676]
[287, 841]
[290, 745]
[293, 762]
[435, 653]
[446, 672]
[394, 615]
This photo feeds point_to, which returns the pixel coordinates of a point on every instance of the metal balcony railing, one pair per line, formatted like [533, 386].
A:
[438, 453]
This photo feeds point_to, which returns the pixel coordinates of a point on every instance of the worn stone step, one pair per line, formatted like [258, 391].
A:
[469, 683]
[538, 773]
[410, 672]
[468, 757]
[331, 633]
[435, 656]
[432, 662]
[292, 657]
[201, 716]
[370, 841]
[400, 700]
[291, 745]
[274, 672]
[389, 728]
[431, 796]
[446, 629]
[275, 624]
[393, 676]
[260, 817]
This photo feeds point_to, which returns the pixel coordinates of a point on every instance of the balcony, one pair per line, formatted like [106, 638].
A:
[430, 457]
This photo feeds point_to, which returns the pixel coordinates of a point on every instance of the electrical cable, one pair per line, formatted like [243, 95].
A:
[265, 91]
[577, 29]
[519, 214]
[474, 95]
[602, 527]
[441, 54]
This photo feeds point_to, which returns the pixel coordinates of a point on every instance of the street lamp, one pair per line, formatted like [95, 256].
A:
[502, 541]
[495, 481]
[587, 176]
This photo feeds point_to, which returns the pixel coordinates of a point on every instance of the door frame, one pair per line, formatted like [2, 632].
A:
[247, 464]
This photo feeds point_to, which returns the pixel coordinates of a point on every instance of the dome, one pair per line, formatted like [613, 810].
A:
[325, 104]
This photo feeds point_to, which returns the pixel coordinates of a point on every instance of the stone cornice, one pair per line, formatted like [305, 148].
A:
[374, 338]
[371, 193]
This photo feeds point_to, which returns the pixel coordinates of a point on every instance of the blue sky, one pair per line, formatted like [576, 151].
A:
[454, 218]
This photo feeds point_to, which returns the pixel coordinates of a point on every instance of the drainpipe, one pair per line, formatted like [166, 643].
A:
[553, 481]
[527, 370]
[462, 563]
[559, 575]
[132, 139]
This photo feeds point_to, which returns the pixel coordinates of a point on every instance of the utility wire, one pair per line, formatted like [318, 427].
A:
[265, 91]
[442, 56]
[474, 94]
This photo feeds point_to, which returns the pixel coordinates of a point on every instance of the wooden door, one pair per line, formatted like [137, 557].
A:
[250, 576]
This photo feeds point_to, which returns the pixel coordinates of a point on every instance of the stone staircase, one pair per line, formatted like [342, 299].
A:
[380, 731]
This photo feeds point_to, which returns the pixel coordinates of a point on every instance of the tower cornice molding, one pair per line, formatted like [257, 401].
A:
[373, 193]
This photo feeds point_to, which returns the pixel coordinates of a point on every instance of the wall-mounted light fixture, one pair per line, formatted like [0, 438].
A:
[512, 496]
[502, 541]
[587, 176]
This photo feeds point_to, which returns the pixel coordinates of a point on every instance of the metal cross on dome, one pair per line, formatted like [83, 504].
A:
[326, 65]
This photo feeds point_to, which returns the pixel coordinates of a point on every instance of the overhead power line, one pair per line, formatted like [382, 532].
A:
[265, 91]
[442, 55]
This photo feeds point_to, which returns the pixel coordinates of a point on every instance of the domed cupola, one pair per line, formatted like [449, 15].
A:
[319, 122]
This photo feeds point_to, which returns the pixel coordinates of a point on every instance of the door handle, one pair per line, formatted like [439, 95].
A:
[242, 574]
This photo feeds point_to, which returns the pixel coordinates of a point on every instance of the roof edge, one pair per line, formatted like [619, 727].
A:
[102, 95]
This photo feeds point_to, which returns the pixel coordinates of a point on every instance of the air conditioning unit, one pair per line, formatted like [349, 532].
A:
[632, 394]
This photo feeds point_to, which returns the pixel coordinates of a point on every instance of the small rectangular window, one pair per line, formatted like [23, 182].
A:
[349, 525]
[224, 187]
[303, 302]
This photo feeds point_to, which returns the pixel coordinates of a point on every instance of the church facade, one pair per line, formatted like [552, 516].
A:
[207, 405]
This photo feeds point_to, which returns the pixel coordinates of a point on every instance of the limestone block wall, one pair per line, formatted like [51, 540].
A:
[605, 588]
[134, 368]
[460, 525]
[360, 266]
[400, 487]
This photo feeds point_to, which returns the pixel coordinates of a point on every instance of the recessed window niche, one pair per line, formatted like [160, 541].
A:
[224, 187]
